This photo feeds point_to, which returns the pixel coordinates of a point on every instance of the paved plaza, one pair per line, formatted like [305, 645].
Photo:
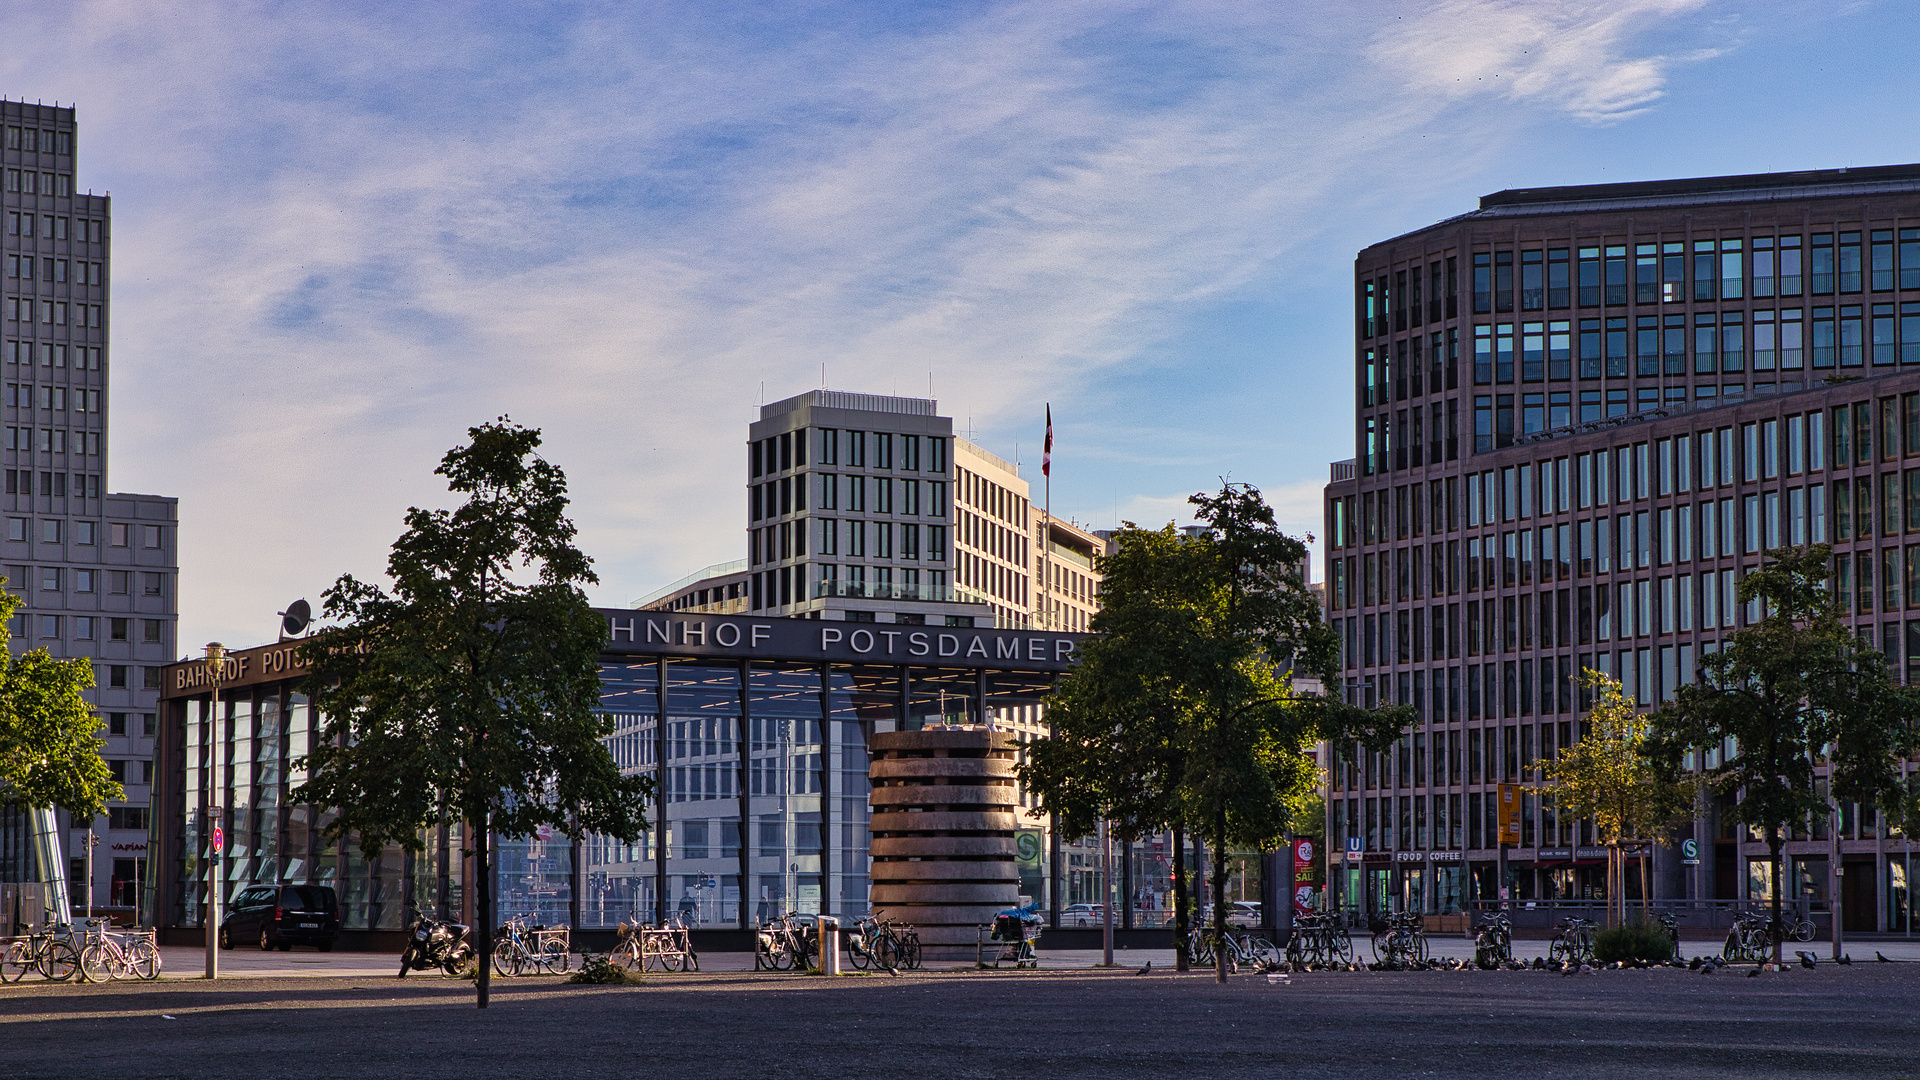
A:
[1830, 1022]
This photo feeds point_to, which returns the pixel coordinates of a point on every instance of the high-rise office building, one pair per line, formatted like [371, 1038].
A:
[95, 571]
[869, 509]
[1582, 414]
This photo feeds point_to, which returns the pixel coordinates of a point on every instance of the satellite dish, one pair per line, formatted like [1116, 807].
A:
[294, 620]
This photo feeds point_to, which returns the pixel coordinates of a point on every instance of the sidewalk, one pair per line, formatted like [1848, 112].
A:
[190, 963]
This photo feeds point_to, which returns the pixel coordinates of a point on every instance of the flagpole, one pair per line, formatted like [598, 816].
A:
[1046, 540]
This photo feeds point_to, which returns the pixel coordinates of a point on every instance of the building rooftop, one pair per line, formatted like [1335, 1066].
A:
[1750, 187]
[717, 570]
[839, 399]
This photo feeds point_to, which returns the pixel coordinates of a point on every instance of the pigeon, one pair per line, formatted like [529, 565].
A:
[1845, 959]
[1694, 965]
[1754, 974]
[1145, 969]
[895, 972]
[1878, 955]
[1806, 959]
[1708, 969]
[164, 1016]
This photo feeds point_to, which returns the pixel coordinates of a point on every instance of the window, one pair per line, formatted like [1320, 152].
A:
[117, 534]
[117, 582]
[83, 627]
[50, 579]
[17, 529]
[133, 818]
[117, 723]
[152, 536]
[117, 673]
[17, 578]
[83, 580]
[150, 678]
[85, 532]
[149, 723]
[49, 626]
[151, 630]
[152, 584]
[117, 630]
[50, 531]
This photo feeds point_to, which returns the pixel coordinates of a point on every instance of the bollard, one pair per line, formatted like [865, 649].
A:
[829, 945]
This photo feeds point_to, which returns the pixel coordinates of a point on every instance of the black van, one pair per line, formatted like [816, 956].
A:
[283, 916]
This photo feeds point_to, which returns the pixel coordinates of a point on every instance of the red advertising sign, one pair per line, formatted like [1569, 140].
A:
[1305, 876]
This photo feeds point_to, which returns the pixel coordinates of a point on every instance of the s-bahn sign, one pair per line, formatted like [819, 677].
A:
[735, 637]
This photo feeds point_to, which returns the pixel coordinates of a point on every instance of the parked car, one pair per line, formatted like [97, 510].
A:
[282, 916]
[1239, 913]
[1081, 915]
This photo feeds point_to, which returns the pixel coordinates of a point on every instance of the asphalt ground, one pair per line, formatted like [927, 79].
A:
[1830, 1022]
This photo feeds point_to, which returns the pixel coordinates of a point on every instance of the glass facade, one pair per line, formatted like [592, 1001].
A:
[1745, 380]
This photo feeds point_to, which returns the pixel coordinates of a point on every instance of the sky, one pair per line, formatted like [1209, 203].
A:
[344, 233]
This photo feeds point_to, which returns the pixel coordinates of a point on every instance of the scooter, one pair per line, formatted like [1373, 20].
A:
[435, 943]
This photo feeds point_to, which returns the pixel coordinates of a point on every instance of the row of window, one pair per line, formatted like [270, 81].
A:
[86, 533]
[52, 398]
[87, 580]
[29, 182]
[876, 494]
[54, 228]
[50, 441]
[55, 270]
[862, 539]
[998, 541]
[32, 140]
[992, 579]
[85, 485]
[1582, 549]
[992, 499]
[52, 312]
[855, 449]
[52, 354]
[881, 583]
[1708, 343]
[1753, 452]
[1542, 686]
[1666, 272]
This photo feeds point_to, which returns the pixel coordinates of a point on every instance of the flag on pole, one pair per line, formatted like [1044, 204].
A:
[1046, 449]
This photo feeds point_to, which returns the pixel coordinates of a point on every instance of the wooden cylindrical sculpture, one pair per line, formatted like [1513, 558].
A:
[942, 842]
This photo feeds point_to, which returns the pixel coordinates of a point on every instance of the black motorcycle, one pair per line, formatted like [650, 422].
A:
[436, 943]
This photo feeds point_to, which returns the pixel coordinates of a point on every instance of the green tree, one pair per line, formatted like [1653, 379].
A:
[1180, 714]
[467, 694]
[1782, 696]
[1608, 778]
[49, 734]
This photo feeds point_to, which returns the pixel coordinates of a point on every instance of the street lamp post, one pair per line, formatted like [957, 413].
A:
[211, 831]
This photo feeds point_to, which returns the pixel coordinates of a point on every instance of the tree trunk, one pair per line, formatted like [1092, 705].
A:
[1220, 956]
[1180, 922]
[1774, 844]
[483, 907]
[1646, 885]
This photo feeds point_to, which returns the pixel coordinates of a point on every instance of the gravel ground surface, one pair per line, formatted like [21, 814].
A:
[1831, 1022]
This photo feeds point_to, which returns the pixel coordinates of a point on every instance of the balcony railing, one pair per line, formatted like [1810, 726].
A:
[881, 590]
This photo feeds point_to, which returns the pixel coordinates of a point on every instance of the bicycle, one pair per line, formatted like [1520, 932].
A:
[1493, 941]
[50, 952]
[1319, 938]
[1672, 926]
[1749, 938]
[1572, 941]
[784, 944]
[132, 955]
[1403, 941]
[531, 948]
[643, 946]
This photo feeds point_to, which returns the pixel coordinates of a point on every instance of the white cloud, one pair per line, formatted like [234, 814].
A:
[1565, 53]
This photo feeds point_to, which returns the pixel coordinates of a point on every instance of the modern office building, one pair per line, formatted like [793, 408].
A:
[95, 571]
[869, 509]
[1581, 415]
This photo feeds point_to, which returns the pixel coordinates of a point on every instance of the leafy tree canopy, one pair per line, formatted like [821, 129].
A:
[468, 691]
[49, 734]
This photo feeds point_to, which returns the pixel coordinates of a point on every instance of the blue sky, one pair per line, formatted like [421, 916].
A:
[346, 232]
